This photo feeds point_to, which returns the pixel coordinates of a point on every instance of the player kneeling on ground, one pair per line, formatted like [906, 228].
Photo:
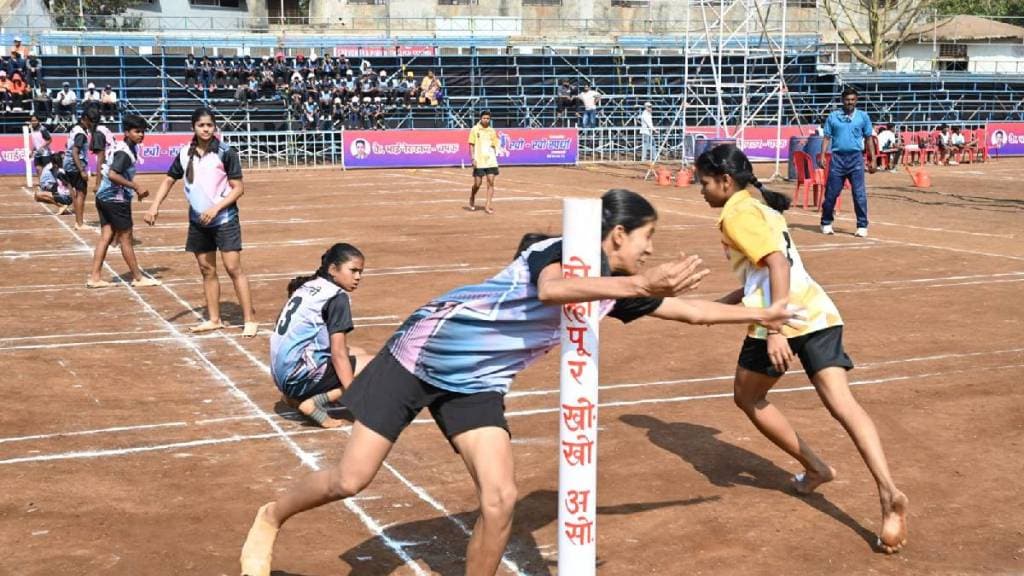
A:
[311, 361]
[53, 190]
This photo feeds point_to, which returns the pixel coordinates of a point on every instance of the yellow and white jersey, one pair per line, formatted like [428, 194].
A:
[750, 231]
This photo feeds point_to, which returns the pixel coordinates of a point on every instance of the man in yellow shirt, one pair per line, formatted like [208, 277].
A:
[483, 149]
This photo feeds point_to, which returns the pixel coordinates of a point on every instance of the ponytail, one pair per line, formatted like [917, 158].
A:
[337, 254]
[775, 200]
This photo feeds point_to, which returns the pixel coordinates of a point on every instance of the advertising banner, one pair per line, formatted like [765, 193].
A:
[425, 148]
[1005, 138]
[158, 152]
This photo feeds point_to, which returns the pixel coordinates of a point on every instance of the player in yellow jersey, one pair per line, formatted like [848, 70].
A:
[483, 149]
[763, 255]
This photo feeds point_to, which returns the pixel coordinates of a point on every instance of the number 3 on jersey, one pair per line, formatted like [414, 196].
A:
[286, 314]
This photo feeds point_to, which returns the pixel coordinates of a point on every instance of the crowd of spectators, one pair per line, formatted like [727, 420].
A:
[322, 92]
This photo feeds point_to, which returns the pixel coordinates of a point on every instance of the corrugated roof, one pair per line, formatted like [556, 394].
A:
[962, 28]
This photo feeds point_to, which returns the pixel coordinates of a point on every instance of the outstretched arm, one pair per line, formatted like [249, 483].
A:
[704, 312]
[669, 279]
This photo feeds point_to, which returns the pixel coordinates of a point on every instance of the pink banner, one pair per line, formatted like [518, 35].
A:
[424, 148]
[758, 142]
[1005, 138]
[379, 51]
[158, 152]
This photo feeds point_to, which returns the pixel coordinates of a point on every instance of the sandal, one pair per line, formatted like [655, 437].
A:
[145, 282]
[251, 329]
[98, 284]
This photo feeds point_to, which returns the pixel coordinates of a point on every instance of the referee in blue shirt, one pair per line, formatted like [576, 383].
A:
[846, 132]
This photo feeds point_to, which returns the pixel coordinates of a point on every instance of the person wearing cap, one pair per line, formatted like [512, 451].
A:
[65, 101]
[91, 94]
[22, 50]
[647, 131]
[108, 103]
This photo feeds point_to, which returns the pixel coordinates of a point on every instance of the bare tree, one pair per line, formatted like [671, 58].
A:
[874, 30]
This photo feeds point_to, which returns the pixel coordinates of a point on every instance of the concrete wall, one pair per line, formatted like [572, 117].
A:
[995, 58]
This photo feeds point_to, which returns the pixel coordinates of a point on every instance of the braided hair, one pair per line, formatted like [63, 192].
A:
[337, 254]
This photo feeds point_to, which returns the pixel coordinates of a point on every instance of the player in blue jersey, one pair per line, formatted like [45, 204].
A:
[458, 354]
[310, 359]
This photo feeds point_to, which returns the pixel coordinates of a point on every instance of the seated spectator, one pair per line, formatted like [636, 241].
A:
[108, 104]
[888, 145]
[957, 143]
[41, 100]
[22, 50]
[944, 145]
[310, 113]
[191, 71]
[368, 84]
[19, 92]
[326, 96]
[33, 70]
[408, 89]
[5, 92]
[205, 73]
[378, 114]
[338, 113]
[267, 85]
[366, 113]
[429, 89]
[91, 94]
[355, 113]
[66, 101]
[220, 74]
[16, 64]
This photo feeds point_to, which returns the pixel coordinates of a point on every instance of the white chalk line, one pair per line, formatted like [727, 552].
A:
[261, 277]
[290, 415]
[865, 366]
[62, 252]
[140, 332]
[511, 414]
[307, 459]
[7, 344]
[178, 225]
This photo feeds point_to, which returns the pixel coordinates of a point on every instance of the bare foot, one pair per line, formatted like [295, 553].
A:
[489, 210]
[807, 481]
[470, 208]
[257, 552]
[894, 524]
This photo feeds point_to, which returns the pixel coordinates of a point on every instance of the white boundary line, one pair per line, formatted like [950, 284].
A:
[513, 414]
[309, 460]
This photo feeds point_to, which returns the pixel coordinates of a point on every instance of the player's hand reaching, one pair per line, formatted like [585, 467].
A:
[674, 278]
[151, 215]
[142, 193]
[782, 314]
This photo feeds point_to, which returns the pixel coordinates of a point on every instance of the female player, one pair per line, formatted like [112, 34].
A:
[762, 253]
[458, 355]
[213, 185]
[52, 189]
[310, 359]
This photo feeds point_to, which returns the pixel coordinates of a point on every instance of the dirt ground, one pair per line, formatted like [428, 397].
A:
[128, 447]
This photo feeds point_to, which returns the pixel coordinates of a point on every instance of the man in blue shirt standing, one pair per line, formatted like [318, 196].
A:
[846, 132]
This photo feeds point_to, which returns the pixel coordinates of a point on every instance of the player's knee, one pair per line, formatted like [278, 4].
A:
[207, 270]
[744, 400]
[498, 502]
[345, 484]
[234, 270]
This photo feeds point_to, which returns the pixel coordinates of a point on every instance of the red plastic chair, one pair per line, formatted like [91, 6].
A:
[970, 149]
[879, 155]
[807, 178]
[982, 135]
[929, 148]
[911, 147]
[819, 198]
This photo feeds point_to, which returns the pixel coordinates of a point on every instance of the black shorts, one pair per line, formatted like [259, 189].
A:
[817, 351]
[117, 214]
[385, 398]
[76, 181]
[481, 172]
[202, 239]
[329, 381]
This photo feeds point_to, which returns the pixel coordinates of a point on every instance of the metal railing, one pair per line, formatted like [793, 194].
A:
[265, 150]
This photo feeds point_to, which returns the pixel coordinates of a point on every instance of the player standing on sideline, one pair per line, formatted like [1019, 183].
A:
[458, 356]
[76, 165]
[763, 255]
[40, 140]
[310, 359]
[213, 185]
[114, 205]
[483, 150]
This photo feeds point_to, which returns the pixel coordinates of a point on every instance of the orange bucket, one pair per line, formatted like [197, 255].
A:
[920, 177]
[684, 178]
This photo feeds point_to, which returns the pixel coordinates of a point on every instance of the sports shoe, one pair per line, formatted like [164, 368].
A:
[827, 230]
[861, 233]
